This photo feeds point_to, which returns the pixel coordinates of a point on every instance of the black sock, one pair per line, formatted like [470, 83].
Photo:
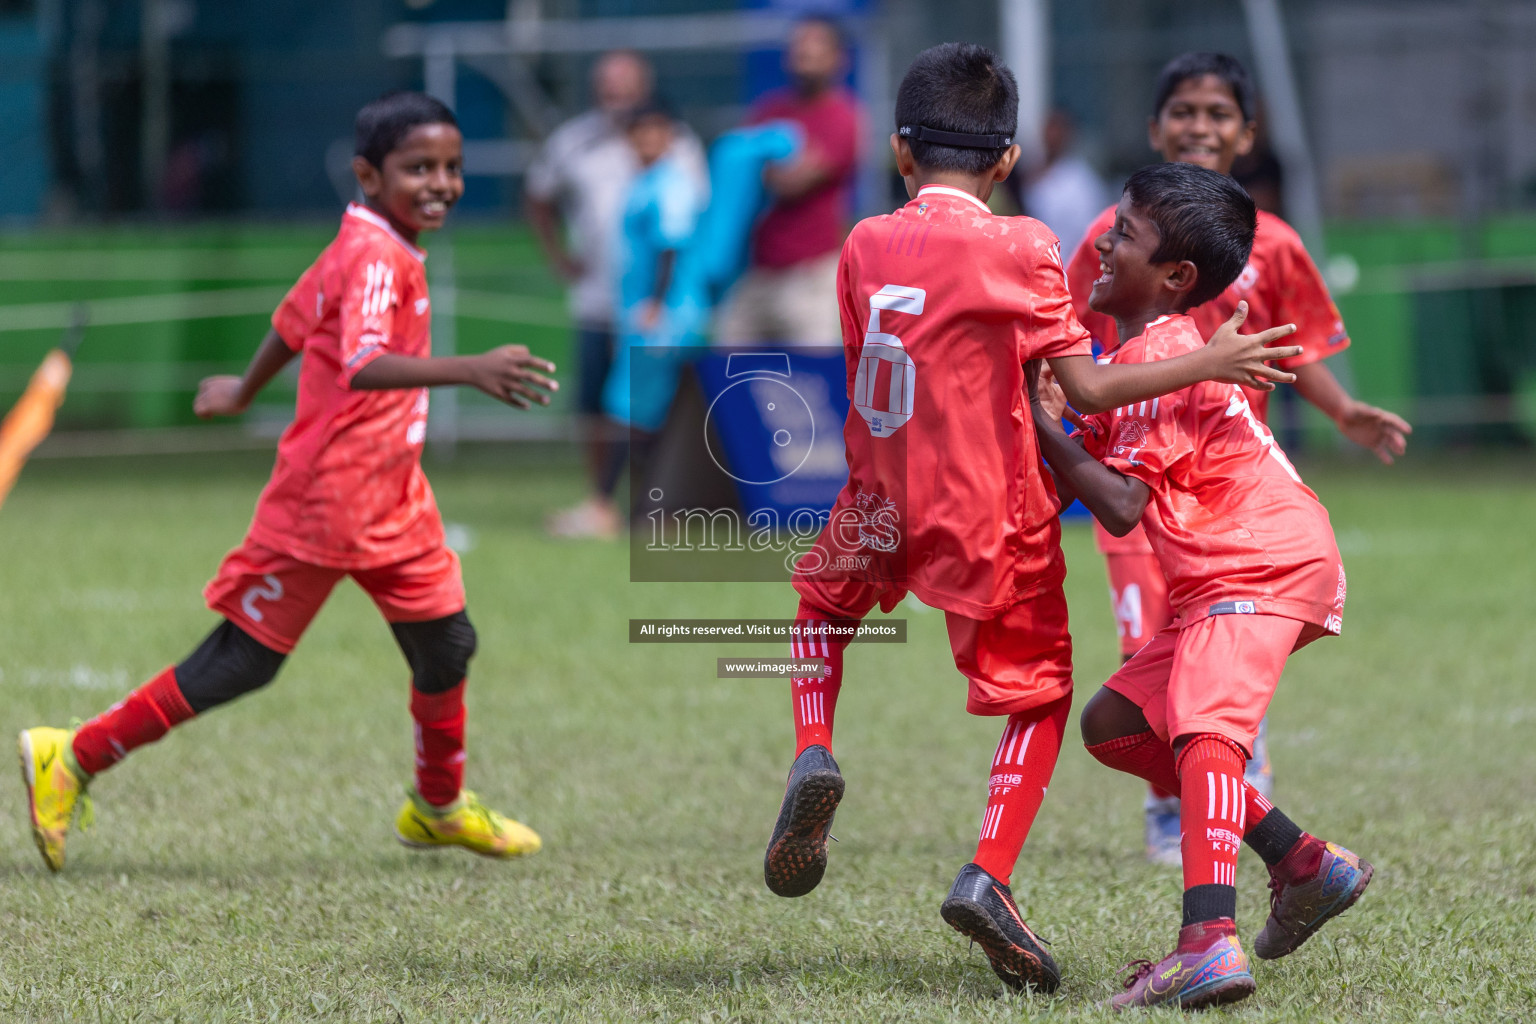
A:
[1208, 902]
[1273, 837]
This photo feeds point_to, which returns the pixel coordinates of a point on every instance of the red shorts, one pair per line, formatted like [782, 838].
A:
[1019, 659]
[1216, 674]
[1139, 595]
[274, 596]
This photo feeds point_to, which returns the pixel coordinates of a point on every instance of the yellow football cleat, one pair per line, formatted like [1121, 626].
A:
[466, 822]
[54, 787]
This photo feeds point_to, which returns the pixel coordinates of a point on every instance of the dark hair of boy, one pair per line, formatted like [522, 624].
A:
[1201, 216]
[652, 108]
[963, 88]
[1200, 64]
[383, 124]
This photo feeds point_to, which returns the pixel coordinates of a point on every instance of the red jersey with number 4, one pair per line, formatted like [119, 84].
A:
[348, 491]
[942, 303]
[1234, 528]
[1281, 285]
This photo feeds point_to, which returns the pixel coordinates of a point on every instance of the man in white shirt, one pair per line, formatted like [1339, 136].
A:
[575, 195]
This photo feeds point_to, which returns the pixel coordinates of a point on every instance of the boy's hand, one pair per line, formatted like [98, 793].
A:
[1045, 394]
[510, 374]
[219, 396]
[1241, 358]
[1382, 432]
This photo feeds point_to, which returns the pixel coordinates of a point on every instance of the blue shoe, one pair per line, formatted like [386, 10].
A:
[1260, 774]
[1208, 968]
[1164, 834]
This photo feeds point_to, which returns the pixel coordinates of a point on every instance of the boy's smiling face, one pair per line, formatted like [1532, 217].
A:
[421, 179]
[1202, 123]
[1130, 286]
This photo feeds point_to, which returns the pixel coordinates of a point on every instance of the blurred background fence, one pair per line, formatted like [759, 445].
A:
[174, 164]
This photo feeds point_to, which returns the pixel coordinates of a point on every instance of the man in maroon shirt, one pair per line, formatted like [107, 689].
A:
[790, 292]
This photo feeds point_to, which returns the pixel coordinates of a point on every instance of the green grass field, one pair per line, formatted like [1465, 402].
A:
[243, 869]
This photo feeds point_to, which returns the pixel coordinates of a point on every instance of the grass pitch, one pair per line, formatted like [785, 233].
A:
[243, 869]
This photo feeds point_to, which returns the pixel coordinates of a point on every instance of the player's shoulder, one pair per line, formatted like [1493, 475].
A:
[366, 238]
[1274, 236]
[1170, 335]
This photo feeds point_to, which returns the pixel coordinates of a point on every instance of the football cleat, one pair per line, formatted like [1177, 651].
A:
[1208, 968]
[797, 851]
[466, 822]
[982, 909]
[1164, 833]
[54, 789]
[1303, 899]
[1260, 773]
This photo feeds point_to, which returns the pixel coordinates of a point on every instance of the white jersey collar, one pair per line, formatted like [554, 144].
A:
[957, 193]
[362, 212]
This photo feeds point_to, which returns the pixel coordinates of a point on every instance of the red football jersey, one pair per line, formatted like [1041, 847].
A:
[348, 491]
[942, 303]
[1281, 285]
[1234, 528]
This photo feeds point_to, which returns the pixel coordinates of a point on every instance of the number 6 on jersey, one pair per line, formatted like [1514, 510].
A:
[884, 384]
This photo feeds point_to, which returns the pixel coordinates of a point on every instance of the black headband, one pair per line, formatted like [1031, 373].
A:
[965, 140]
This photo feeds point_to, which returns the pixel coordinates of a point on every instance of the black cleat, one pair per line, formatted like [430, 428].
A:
[982, 909]
[797, 851]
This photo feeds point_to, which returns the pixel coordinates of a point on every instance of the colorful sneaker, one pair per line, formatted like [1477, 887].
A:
[1208, 968]
[1165, 836]
[54, 786]
[1315, 882]
[797, 850]
[982, 909]
[1260, 774]
[466, 822]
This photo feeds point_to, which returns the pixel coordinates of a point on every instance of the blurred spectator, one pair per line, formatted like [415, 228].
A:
[789, 292]
[575, 200]
[1065, 193]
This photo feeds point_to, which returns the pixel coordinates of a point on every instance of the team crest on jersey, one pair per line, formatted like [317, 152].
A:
[1132, 434]
[1248, 278]
[877, 521]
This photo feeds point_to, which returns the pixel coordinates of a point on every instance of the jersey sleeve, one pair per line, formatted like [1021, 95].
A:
[1302, 299]
[370, 302]
[543, 179]
[848, 310]
[1051, 328]
[297, 316]
[1144, 440]
[676, 211]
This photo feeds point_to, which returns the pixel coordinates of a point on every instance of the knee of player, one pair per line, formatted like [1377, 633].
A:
[227, 664]
[437, 651]
[1108, 716]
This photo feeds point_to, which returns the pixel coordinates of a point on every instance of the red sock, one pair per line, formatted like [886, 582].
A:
[1021, 771]
[1143, 755]
[816, 698]
[143, 716]
[1213, 811]
[439, 744]
[1147, 757]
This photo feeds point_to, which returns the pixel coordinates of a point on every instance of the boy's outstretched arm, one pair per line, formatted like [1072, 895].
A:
[1228, 356]
[227, 395]
[1116, 501]
[508, 374]
[1382, 432]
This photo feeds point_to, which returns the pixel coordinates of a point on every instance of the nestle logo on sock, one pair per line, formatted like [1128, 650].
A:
[1223, 835]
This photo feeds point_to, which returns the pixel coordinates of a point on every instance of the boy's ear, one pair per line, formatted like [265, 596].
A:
[1182, 279]
[905, 165]
[368, 176]
[1246, 140]
[1005, 164]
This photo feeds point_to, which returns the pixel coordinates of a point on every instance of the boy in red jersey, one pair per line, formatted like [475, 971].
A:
[1253, 574]
[942, 303]
[347, 498]
[1204, 115]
